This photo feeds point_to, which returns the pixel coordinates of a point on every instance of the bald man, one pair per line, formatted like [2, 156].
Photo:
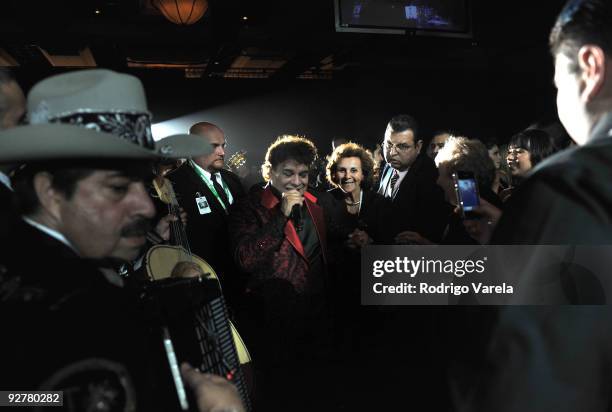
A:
[207, 192]
[214, 162]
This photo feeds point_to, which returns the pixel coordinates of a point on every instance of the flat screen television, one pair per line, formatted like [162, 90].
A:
[451, 18]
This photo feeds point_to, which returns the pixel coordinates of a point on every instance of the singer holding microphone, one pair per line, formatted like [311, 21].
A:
[278, 235]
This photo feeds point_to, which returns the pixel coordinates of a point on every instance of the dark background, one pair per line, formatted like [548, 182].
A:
[493, 85]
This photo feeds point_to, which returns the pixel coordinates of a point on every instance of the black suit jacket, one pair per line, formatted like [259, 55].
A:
[61, 312]
[7, 211]
[373, 216]
[419, 203]
[208, 233]
[555, 357]
[5, 197]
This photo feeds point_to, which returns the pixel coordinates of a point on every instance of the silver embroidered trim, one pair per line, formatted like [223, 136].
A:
[41, 113]
[166, 150]
[131, 125]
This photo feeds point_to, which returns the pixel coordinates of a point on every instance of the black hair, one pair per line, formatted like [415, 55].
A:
[403, 122]
[582, 22]
[64, 180]
[491, 142]
[288, 147]
[560, 138]
[66, 175]
[537, 142]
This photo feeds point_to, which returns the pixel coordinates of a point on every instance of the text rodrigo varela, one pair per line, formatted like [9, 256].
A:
[432, 284]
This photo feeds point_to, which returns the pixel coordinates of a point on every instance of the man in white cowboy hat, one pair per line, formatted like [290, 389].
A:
[83, 203]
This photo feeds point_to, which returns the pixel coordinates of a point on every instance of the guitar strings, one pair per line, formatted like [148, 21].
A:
[178, 228]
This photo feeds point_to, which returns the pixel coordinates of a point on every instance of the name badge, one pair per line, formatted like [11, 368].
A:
[203, 206]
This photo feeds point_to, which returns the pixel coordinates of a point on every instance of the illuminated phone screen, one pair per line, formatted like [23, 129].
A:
[468, 193]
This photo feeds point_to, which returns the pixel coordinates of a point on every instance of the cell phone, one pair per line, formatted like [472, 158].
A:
[468, 198]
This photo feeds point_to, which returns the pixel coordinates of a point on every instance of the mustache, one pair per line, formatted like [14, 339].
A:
[139, 227]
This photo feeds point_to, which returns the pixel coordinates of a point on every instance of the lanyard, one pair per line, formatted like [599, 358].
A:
[210, 186]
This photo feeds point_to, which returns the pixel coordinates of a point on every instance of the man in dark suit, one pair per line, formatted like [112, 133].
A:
[278, 234]
[279, 250]
[558, 357]
[83, 206]
[409, 180]
[207, 192]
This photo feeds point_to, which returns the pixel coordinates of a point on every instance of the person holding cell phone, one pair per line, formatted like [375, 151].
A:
[466, 176]
[525, 150]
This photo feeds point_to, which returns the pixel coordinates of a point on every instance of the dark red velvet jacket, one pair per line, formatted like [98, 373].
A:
[265, 243]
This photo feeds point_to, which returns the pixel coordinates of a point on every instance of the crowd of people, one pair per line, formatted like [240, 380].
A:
[85, 192]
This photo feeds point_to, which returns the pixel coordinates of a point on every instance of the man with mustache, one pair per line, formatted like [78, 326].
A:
[409, 180]
[207, 193]
[75, 326]
[278, 234]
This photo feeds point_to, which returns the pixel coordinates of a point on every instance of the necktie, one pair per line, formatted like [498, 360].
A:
[394, 179]
[219, 189]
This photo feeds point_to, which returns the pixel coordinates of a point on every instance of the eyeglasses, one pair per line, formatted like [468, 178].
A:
[516, 151]
[402, 147]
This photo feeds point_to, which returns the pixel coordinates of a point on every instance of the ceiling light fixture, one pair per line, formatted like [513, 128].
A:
[182, 12]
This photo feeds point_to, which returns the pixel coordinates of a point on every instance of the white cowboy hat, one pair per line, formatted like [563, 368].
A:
[91, 114]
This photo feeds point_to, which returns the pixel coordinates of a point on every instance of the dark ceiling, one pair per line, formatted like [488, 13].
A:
[278, 40]
[287, 58]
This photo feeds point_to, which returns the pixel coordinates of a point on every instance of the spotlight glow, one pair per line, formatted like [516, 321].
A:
[163, 129]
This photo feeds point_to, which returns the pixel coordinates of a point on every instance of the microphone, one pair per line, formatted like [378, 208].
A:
[296, 217]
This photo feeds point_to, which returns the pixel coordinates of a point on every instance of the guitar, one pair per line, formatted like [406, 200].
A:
[237, 161]
[162, 260]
